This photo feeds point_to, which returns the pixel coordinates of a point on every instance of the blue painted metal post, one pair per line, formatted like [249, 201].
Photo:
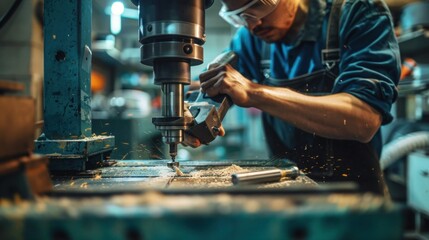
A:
[67, 138]
[67, 32]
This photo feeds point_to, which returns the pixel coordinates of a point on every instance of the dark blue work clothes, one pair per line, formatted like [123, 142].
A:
[369, 69]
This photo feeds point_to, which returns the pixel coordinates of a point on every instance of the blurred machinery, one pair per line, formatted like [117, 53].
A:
[172, 42]
[144, 199]
[405, 155]
[126, 114]
[22, 173]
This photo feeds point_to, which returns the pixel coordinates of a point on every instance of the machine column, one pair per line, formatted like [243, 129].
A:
[67, 136]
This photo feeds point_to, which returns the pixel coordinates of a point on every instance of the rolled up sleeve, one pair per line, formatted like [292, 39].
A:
[370, 61]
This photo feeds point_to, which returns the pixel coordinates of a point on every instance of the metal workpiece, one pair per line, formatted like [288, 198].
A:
[292, 172]
[266, 176]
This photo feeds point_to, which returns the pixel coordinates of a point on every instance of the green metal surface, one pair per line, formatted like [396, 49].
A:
[217, 216]
[76, 154]
[67, 69]
[67, 134]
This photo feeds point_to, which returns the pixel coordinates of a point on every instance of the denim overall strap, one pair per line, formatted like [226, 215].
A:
[331, 53]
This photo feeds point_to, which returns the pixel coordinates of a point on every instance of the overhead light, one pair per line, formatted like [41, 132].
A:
[115, 18]
[117, 8]
[130, 13]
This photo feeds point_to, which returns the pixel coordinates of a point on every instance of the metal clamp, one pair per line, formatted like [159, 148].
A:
[330, 57]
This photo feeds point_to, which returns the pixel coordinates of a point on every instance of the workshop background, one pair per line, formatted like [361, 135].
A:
[116, 108]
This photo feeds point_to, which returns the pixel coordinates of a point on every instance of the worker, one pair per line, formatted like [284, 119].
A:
[324, 74]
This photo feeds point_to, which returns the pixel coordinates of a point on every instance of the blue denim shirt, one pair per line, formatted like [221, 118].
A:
[369, 65]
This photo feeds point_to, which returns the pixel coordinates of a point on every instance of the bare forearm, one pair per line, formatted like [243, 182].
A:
[337, 116]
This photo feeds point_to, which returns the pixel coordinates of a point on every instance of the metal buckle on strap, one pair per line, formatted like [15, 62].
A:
[330, 57]
[265, 68]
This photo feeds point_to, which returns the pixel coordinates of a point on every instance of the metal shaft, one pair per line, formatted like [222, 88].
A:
[172, 106]
[274, 175]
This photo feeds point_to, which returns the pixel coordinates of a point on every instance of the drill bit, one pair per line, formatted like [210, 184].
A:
[173, 154]
[173, 151]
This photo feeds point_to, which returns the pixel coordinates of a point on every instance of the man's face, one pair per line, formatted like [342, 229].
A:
[273, 27]
[270, 23]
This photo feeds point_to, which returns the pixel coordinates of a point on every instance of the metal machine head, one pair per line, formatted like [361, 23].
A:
[172, 34]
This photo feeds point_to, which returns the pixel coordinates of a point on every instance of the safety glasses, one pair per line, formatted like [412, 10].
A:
[239, 17]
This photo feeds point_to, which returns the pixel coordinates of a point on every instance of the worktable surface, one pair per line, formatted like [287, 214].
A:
[144, 199]
[146, 174]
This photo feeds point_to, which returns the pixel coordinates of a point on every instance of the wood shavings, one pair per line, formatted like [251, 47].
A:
[178, 171]
[220, 172]
[219, 177]
[299, 181]
[215, 177]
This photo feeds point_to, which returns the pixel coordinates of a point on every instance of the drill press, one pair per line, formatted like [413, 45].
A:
[172, 34]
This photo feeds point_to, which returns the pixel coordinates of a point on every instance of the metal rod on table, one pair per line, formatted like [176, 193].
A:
[266, 176]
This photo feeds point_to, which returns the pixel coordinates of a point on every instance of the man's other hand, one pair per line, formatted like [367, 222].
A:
[190, 140]
[224, 79]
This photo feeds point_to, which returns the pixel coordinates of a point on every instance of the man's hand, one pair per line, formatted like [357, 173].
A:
[192, 141]
[224, 79]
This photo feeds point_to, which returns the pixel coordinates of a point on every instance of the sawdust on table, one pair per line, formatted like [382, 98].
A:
[219, 172]
[218, 177]
[213, 177]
